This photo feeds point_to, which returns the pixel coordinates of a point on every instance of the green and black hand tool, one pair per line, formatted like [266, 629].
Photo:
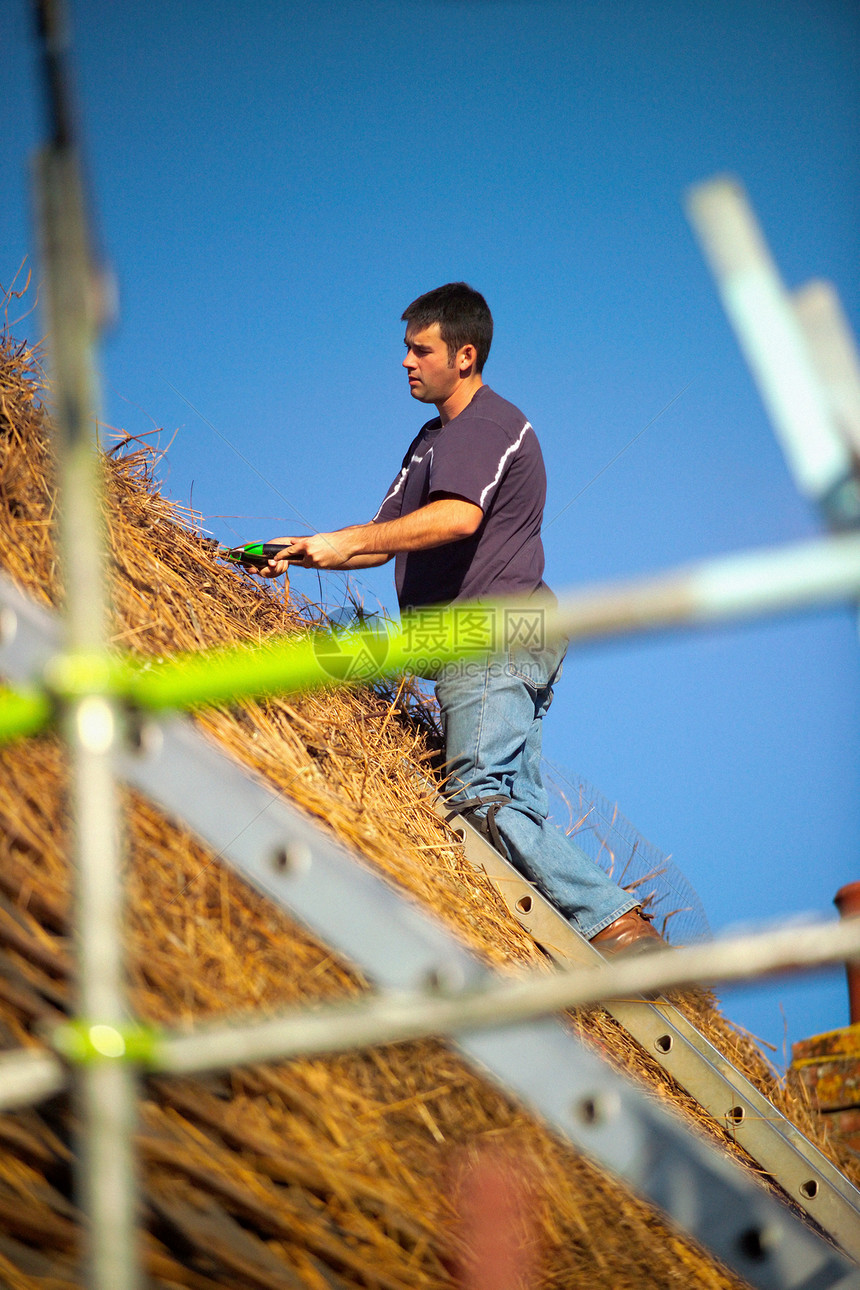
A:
[257, 554]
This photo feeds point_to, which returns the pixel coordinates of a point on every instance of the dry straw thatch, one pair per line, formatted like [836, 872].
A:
[316, 1173]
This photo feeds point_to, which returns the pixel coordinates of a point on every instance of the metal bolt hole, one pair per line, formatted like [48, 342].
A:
[664, 1044]
[144, 738]
[292, 859]
[736, 1115]
[756, 1243]
[809, 1189]
[589, 1110]
[597, 1109]
[524, 905]
[444, 979]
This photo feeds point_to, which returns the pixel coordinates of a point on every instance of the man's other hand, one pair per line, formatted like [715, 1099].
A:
[274, 568]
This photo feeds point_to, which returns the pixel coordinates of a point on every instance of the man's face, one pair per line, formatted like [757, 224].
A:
[432, 377]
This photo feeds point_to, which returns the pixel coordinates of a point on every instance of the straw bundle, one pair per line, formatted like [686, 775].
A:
[317, 1173]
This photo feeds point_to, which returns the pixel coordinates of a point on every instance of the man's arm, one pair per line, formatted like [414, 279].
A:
[361, 546]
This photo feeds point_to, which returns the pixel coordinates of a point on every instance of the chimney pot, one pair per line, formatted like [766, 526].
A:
[847, 901]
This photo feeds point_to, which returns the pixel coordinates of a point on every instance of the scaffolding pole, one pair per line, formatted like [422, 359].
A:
[399, 1016]
[775, 344]
[834, 354]
[105, 1091]
[787, 579]
[410, 1015]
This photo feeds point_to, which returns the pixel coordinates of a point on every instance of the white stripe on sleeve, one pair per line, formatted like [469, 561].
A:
[509, 451]
[414, 460]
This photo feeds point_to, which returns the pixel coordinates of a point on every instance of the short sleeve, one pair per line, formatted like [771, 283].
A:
[470, 460]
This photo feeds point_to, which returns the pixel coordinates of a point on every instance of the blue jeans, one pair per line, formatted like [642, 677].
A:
[492, 714]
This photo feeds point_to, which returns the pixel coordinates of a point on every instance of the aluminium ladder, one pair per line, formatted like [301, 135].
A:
[802, 1171]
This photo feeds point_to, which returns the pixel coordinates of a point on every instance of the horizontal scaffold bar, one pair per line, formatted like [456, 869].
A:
[417, 1014]
[806, 575]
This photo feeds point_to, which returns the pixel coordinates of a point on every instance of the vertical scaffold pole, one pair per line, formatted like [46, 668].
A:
[773, 341]
[105, 1084]
[834, 353]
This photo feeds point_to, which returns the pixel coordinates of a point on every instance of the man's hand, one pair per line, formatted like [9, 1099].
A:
[318, 551]
[322, 550]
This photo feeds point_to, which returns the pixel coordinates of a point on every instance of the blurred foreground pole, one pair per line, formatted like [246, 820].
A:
[105, 1088]
[776, 344]
[834, 354]
[498, 1222]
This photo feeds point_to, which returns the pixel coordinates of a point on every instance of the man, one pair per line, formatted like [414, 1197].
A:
[463, 520]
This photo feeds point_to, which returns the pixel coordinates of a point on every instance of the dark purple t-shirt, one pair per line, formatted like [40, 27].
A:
[489, 455]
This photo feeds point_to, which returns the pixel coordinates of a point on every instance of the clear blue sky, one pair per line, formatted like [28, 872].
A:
[276, 181]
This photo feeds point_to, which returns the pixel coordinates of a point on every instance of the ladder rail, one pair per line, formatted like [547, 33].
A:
[802, 1171]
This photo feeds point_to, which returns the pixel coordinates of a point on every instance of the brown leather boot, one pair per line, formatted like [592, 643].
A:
[632, 933]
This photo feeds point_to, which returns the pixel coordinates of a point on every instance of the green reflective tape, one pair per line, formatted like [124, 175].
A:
[71, 676]
[22, 713]
[428, 641]
[84, 1042]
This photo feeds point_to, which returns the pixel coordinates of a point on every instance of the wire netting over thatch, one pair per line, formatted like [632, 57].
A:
[610, 840]
[316, 1173]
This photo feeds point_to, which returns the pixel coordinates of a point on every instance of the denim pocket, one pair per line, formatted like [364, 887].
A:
[539, 668]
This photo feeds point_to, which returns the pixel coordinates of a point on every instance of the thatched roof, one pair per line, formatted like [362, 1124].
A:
[316, 1172]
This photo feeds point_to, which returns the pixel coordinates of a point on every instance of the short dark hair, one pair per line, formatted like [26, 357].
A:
[463, 316]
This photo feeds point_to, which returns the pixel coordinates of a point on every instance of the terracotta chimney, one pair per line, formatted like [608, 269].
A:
[847, 901]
